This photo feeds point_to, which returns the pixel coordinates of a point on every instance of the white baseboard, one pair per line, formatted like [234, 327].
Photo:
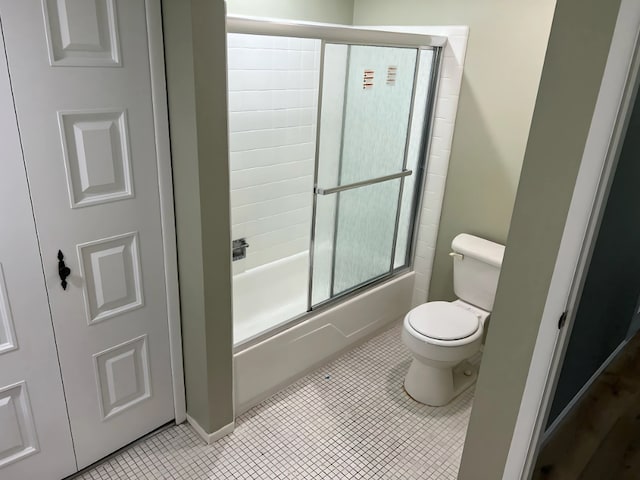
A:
[209, 438]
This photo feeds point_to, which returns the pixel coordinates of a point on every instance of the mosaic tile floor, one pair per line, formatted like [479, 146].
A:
[350, 419]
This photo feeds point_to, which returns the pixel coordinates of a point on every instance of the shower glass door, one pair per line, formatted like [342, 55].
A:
[371, 137]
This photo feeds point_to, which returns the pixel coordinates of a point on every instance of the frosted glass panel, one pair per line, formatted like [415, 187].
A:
[367, 95]
[323, 248]
[364, 234]
[377, 83]
[354, 238]
[376, 116]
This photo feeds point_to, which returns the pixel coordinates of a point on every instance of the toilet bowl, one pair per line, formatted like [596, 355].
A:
[442, 336]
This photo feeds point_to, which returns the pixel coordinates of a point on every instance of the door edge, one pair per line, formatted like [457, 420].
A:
[165, 190]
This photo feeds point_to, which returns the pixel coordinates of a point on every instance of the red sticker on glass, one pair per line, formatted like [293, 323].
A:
[367, 79]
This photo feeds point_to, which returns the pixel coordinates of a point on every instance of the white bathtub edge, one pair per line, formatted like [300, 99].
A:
[266, 368]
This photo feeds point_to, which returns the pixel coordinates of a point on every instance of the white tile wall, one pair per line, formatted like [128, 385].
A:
[273, 91]
[439, 153]
[440, 150]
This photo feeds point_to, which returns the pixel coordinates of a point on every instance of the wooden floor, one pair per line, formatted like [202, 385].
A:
[600, 439]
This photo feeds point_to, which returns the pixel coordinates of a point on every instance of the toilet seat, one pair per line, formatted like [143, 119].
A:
[443, 321]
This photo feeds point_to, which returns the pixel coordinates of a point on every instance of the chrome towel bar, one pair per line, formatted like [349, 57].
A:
[364, 183]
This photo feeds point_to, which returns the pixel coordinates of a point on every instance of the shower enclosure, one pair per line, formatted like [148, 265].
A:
[329, 130]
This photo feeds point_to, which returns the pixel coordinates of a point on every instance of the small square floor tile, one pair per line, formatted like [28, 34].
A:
[350, 419]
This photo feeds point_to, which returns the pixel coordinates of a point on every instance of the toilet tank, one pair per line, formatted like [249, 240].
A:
[476, 268]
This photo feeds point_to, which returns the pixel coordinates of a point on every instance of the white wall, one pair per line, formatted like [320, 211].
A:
[329, 11]
[273, 91]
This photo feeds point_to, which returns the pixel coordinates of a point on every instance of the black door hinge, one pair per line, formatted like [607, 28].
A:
[562, 319]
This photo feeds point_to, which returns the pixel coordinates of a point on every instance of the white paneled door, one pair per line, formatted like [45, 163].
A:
[35, 441]
[81, 84]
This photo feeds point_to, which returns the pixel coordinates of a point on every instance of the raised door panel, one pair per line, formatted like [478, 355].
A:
[35, 438]
[112, 276]
[82, 33]
[7, 331]
[96, 153]
[84, 106]
[18, 438]
[123, 376]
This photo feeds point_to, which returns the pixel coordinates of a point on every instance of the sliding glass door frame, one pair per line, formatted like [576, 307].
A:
[328, 33]
[420, 175]
[424, 151]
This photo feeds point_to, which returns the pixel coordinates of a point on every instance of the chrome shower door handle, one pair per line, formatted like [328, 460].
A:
[364, 183]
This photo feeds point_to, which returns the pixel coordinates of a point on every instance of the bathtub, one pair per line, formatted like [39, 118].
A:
[267, 296]
[265, 367]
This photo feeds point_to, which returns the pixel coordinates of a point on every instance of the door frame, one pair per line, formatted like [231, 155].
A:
[604, 142]
[153, 11]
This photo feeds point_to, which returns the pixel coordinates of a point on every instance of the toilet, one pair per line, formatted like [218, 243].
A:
[442, 336]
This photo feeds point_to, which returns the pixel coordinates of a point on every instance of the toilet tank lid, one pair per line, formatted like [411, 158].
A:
[478, 248]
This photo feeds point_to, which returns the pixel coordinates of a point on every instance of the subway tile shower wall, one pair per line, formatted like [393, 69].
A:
[273, 92]
[446, 107]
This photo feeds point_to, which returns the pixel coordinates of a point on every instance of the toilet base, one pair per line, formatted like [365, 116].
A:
[436, 386]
